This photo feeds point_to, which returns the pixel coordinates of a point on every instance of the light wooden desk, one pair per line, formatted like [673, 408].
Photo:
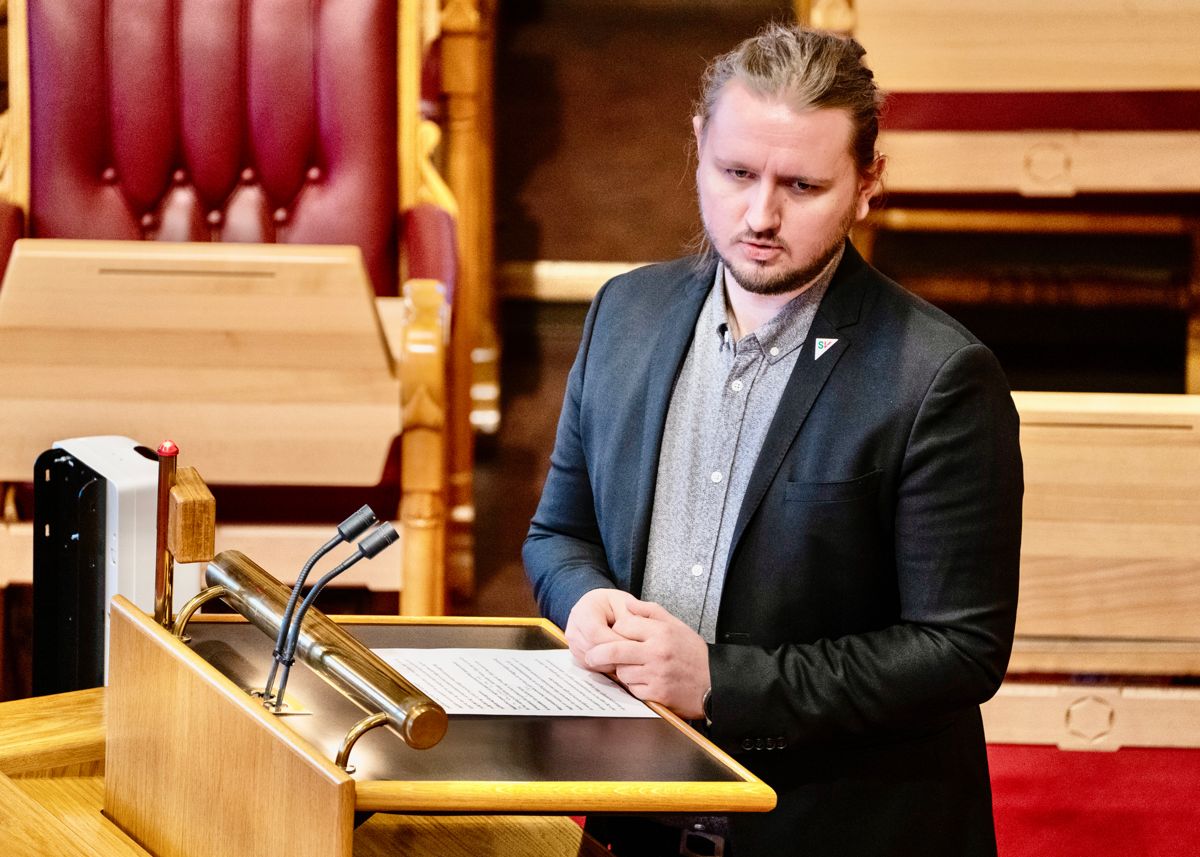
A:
[52, 791]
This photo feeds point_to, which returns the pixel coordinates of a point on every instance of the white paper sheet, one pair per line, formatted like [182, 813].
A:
[539, 682]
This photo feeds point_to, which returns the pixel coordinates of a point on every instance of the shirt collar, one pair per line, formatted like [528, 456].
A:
[787, 329]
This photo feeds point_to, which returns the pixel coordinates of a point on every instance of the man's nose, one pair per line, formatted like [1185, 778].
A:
[762, 213]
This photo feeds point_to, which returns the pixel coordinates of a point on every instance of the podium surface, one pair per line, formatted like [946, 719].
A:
[195, 765]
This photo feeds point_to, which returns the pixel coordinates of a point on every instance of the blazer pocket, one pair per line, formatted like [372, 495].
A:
[833, 492]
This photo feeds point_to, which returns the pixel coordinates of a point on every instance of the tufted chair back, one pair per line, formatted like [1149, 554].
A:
[217, 120]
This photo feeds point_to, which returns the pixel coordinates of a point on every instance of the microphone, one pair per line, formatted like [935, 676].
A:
[370, 546]
[347, 531]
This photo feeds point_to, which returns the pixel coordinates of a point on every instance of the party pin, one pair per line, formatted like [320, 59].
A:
[823, 345]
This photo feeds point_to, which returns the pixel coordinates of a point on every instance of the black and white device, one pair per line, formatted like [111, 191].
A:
[94, 520]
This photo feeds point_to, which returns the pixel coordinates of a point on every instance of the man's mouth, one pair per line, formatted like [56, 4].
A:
[760, 251]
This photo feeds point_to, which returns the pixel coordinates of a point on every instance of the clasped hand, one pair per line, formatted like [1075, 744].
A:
[654, 654]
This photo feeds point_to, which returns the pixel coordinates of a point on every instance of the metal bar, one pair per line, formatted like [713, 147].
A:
[330, 651]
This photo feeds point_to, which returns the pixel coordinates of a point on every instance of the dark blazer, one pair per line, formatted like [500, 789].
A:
[871, 588]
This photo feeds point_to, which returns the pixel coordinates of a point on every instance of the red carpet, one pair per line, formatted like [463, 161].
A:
[1055, 803]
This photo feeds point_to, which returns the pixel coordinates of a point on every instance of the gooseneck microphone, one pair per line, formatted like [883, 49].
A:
[370, 546]
[347, 531]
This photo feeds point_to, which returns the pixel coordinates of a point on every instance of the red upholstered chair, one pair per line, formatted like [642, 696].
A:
[263, 121]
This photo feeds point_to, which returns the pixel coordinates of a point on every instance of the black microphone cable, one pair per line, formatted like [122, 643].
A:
[370, 546]
[347, 531]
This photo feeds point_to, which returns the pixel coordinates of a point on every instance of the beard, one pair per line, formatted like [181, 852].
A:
[764, 279]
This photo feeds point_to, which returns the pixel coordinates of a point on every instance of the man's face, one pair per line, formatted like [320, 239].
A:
[779, 190]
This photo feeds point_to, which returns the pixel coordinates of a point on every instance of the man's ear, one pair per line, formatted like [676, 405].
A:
[698, 130]
[870, 185]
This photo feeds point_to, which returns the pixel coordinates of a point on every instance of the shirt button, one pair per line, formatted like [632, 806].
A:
[716, 476]
[736, 386]
[697, 570]
[774, 352]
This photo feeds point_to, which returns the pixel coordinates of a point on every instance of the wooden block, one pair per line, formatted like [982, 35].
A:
[192, 518]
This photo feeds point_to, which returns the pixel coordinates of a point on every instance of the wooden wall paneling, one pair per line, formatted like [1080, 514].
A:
[1041, 163]
[1027, 45]
[1111, 522]
[1093, 717]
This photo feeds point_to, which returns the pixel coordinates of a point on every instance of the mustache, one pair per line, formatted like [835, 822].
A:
[767, 239]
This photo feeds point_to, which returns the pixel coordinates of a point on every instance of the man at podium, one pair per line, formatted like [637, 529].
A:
[785, 495]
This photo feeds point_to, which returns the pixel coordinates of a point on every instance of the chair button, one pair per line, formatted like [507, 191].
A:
[148, 220]
[180, 176]
[248, 175]
[780, 742]
[314, 174]
[214, 218]
[109, 175]
[758, 745]
[770, 743]
[747, 743]
[280, 215]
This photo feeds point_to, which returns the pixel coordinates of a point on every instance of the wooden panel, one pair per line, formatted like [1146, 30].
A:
[1111, 516]
[1065, 655]
[945, 45]
[1077, 717]
[170, 778]
[39, 736]
[267, 364]
[1041, 163]
[469, 836]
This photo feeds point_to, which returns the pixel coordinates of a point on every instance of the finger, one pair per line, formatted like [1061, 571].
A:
[607, 656]
[648, 609]
[631, 674]
[635, 627]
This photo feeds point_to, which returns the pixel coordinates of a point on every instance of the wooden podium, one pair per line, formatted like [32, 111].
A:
[52, 794]
[194, 765]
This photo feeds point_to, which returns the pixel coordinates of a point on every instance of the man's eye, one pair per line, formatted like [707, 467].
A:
[801, 186]
[739, 174]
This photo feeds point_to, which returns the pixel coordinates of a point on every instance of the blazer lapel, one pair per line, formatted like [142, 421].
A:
[666, 359]
[835, 318]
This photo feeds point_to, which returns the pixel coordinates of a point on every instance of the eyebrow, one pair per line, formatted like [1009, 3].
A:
[738, 164]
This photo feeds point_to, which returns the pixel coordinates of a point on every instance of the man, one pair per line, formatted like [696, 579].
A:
[785, 494]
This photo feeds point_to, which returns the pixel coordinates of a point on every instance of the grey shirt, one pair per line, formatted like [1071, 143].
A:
[722, 405]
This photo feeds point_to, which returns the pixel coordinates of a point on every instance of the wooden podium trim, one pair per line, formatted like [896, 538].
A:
[551, 797]
[187, 750]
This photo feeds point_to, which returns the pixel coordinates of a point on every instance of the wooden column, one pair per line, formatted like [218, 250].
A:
[474, 358]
